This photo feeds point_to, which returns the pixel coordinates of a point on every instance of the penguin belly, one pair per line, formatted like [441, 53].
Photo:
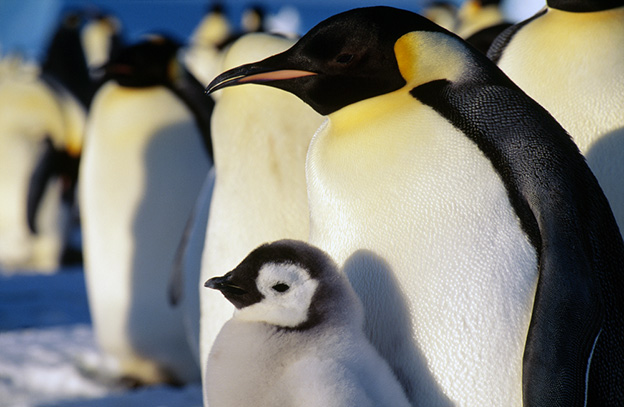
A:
[423, 228]
[143, 167]
[260, 139]
[573, 65]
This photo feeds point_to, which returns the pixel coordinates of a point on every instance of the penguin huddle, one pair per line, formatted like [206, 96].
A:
[447, 194]
[44, 113]
[438, 238]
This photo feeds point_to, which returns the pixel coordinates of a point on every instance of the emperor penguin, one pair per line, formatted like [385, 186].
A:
[443, 13]
[101, 40]
[65, 60]
[203, 56]
[296, 337]
[479, 22]
[146, 156]
[446, 194]
[41, 131]
[569, 57]
[260, 138]
[475, 15]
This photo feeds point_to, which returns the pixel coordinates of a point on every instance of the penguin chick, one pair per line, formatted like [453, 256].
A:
[296, 337]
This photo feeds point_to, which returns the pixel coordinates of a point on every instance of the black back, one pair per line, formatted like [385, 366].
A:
[65, 61]
[584, 6]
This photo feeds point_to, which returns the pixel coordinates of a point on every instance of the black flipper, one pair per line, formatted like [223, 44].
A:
[483, 39]
[52, 163]
[195, 226]
[499, 44]
[568, 219]
[192, 92]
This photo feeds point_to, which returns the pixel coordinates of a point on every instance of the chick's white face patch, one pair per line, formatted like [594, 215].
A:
[287, 290]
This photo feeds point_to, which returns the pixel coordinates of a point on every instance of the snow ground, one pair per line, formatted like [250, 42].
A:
[48, 357]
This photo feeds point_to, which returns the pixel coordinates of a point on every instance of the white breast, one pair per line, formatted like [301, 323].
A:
[260, 139]
[142, 168]
[411, 195]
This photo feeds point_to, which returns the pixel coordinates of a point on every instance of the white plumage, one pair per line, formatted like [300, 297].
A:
[260, 138]
[143, 166]
[302, 344]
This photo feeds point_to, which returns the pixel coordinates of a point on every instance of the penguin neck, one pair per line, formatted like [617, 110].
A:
[424, 57]
[349, 119]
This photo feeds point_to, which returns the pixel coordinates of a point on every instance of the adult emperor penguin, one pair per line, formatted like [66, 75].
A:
[203, 55]
[260, 137]
[296, 338]
[569, 57]
[475, 15]
[65, 60]
[143, 165]
[447, 194]
[41, 130]
[101, 40]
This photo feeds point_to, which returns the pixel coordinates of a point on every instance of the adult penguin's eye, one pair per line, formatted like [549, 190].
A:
[280, 287]
[344, 58]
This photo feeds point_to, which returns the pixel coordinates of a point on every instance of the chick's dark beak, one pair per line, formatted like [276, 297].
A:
[225, 285]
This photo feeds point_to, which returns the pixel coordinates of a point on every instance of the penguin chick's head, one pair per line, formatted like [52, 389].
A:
[345, 59]
[288, 283]
[151, 62]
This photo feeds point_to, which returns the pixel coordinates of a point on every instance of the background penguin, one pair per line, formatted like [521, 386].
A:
[260, 137]
[296, 338]
[480, 22]
[443, 13]
[65, 61]
[146, 157]
[68, 75]
[448, 194]
[214, 35]
[41, 130]
[569, 57]
[475, 15]
[203, 55]
[101, 40]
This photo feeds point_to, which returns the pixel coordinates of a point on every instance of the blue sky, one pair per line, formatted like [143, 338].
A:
[25, 25]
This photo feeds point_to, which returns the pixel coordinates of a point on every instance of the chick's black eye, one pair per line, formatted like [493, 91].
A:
[344, 58]
[280, 287]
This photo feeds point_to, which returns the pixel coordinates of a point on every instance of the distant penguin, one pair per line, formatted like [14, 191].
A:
[443, 13]
[41, 131]
[101, 40]
[64, 58]
[203, 56]
[569, 57]
[475, 15]
[448, 195]
[253, 19]
[480, 22]
[296, 338]
[260, 137]
[145, 159]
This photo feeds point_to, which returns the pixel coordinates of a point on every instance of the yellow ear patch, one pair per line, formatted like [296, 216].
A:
[424, 56]
[406, 50]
